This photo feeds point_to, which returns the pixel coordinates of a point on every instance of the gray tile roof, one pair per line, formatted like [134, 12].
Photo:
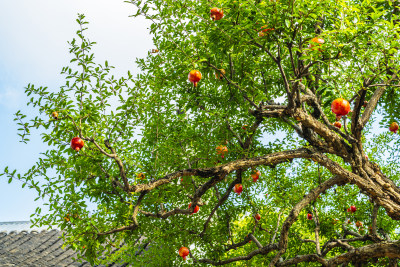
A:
[36, 249]
[21, 226]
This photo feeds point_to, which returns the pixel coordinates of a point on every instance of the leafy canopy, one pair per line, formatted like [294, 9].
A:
[270, 71]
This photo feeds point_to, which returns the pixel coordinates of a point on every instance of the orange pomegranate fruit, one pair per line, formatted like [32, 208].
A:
[216, 13]
[221, 150]
[316, 42]
[393, 127]
[54, 114]
[265, 31]
[194, 77]
[337, 124]
[219, 75]
[255, 175]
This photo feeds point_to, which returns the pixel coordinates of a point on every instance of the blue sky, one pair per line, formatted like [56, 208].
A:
[33, 49]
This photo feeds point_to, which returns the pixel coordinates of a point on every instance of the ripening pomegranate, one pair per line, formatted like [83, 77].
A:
[309, 216]
[221, 150]
[219, 75]
[238, 189]
[196, 209]
[353, 209]
[340, 107]
[370, 230]
[337, 124]
[141, 176]
[316, 42]
[68, 217]
[77, 144]
[393, 127]
[183, 252]
[257, 217]
[194, 77]
[216, 13]
[54, 114]
[255, 175]
[265, 31]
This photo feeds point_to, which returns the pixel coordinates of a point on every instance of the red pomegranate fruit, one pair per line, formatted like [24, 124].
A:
[196, 209]
[340, 107]
[216, 13]
[183, 252]
[238, 189]
[77, 144]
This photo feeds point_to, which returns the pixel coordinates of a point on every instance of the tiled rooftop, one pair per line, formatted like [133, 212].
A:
[34, 248]
[20, 226]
